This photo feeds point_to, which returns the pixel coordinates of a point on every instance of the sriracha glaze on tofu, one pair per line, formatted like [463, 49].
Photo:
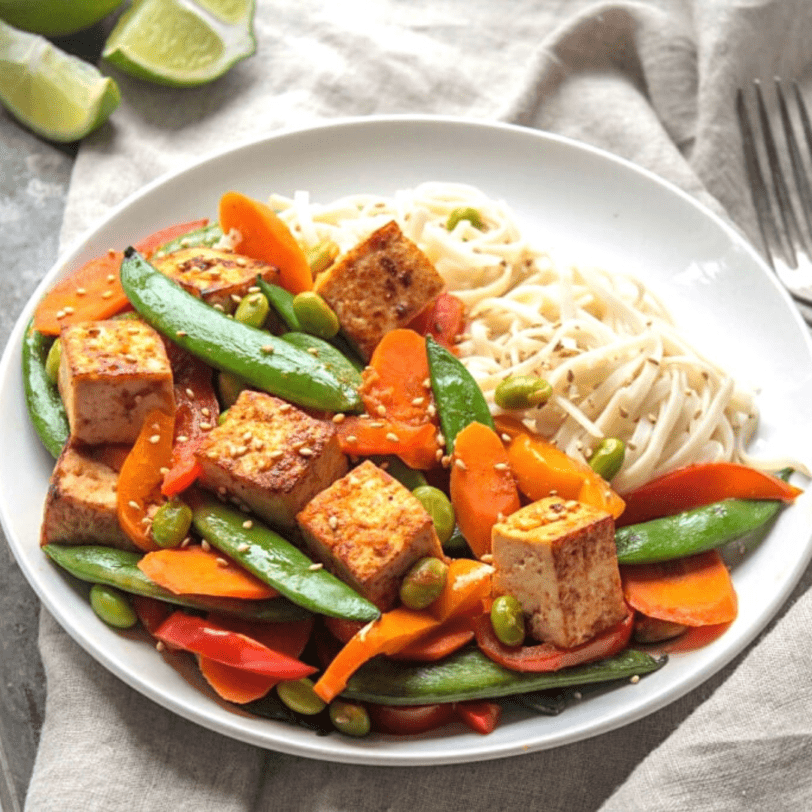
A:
[558, 558]
[368, 530]
[111, 374]
[379, 285]
[270, 456]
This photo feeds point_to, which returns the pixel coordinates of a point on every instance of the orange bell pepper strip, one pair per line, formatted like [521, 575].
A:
[392, 631]
[364, 437]
[702, 484]
[541, 469]
[139, 482]
[481, 486]
[695, 591]
[264, 236]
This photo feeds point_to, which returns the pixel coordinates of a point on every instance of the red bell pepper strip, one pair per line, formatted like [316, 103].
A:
[547, 657]
[214, 640]
[409, 720]
[482, 716]
[151, 612]
[443, 320]
[151, 244]
[701, 484]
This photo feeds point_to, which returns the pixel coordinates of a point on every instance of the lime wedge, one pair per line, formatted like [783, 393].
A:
[55, 18]
[181, 43]
[58, 96]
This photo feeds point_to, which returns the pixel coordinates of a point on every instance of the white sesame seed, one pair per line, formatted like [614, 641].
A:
[267, 349]
[219, 307]
[381, 410]
[253, 289]
[134, 505]
[81, 291]
[204, 426]
[155, 439]
[236, 298]
[634, 679]
[460, 464]
[392, 437]
[505, 438]
[247, 524]
[316, 566]
[501, 466]
[60, 314]
[418, 401]
[69, 310]
[277, 455]
[186, 542]
[182, 438]
[352, 439]
[108, 294]
[163, 470]
[339, 417]
[244, 547]
[190, 393]
[205, 546]
[376, 424]
[313, 350]
[306, 452]
[221, 562]
[205, 411]
[427, 383]
[160, 645]
[111, 277]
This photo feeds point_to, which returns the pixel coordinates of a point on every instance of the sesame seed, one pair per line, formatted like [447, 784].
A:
[505, 438]
[418, 401]
[181, 333]
[155, 439]
[313, 350]
[339, 417]
[306, 452]
[81, 291]
[186, 542]
[381, 410]
[440, 438]
[278, 454]
[460, 464]
[267, 349]
[134, 505]
[160, 645]
[205, 546]
[182, 438]
[247, 524]
[219, 307]
[392, 437]
[108, 294]
[352, 439]
[431, 410]
[204, 426]
[376, 424]
[438, 454]
[427, 383]
[253, 289]
[69, 310]
[316, 566]
[60, 314]
[221, 562]
[206, 412]
[487, 558]
[634, 679]
[244, 547]
[190, 393]
[333, 522]
[236, 298]
[501, 466]
[111, 277]
[445, 461]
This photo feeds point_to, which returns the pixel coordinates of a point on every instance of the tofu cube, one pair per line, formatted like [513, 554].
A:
[271, 457]
[379, 285]
[219, 277]
[368, 530]
[80, 507]
[558, 558]
[111, 374]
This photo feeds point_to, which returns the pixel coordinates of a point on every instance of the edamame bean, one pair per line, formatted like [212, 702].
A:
[299, 696]
[229, 386]
[52, 360]
[507, 619]
[465, 213]
[349, 718]
[522, 392]
[423, 583]
[315, 315]
[252, 310]
[607, 458]
[321, 256]
[112, 606]
[171, 523]
[439, 507]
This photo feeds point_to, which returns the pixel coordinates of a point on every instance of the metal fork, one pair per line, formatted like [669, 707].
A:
[787, 237]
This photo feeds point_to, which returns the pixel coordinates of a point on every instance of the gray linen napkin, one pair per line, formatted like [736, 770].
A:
[653, 82]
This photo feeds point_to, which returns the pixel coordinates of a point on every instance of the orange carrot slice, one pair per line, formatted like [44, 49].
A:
[695, 591]
[265, 237]
[482, 487]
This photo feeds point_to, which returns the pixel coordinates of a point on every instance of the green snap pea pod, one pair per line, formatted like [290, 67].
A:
[119, 569]
[281, 301]
[692, 531]
[261, 359]
[207, 236]
[469, 674]
[324, 352]
[279, 563]
[458, 397]
[45, 407]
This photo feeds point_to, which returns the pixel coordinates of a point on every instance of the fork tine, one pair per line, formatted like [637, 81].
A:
[806, 127]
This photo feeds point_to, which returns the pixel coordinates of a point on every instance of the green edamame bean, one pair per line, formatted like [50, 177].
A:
[315, 315]
[423, 583]
[299, 696]
[229, 386]
[171, 523]
[607, 458]
[252, 310]
[349, 718]
[439, 507]
[321, 256]
[112, 606]
[507, 619]
[52, 360]
[522, 392]
[465, 213]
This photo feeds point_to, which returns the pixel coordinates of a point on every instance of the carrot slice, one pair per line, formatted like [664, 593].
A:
[439, 642]
[265, 237]
[195, 571]
[695, 591]
[482, 486]
[151, 244]
[415, 445]
[139, 482]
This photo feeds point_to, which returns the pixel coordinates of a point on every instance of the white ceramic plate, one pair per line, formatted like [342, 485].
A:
[586, 205]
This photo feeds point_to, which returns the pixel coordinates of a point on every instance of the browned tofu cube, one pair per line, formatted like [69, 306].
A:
[368, 530]
[558, 558]
[80, 507]
[379, 285]
[222, 278]
[271, 457]
[111, 374]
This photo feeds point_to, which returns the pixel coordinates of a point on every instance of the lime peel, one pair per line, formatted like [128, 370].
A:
[181, 43]
[56, 18]
[57, 95]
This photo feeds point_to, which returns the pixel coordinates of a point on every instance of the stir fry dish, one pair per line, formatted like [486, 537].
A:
[298, 446]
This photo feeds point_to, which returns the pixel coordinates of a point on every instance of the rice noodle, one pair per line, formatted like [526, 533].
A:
[607, 345]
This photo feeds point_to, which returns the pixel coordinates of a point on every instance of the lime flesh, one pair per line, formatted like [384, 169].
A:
[55, 18]
[179, 42]
[58, 96]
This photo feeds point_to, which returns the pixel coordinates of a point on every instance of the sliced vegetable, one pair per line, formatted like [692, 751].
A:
[182, 232]
[482, 716]
[415, 445]
[458, 397]
[443, 320]
[696, 590]
[140, 478]
[45, 407]
[195, 571]
[482, 486]
[281, 301]
[410, 720]
[702, 484]
[447, 638]
[265, 361]
[119, 568]
[277, 562]
[329, 356]
[265, 237]
[205, 235]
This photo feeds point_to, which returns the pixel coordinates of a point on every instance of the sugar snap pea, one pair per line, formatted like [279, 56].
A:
[119, 569]
[207, 236]
[458, 397]
[261, 359]
[279, 563]
[335, 361]
[281, 301]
